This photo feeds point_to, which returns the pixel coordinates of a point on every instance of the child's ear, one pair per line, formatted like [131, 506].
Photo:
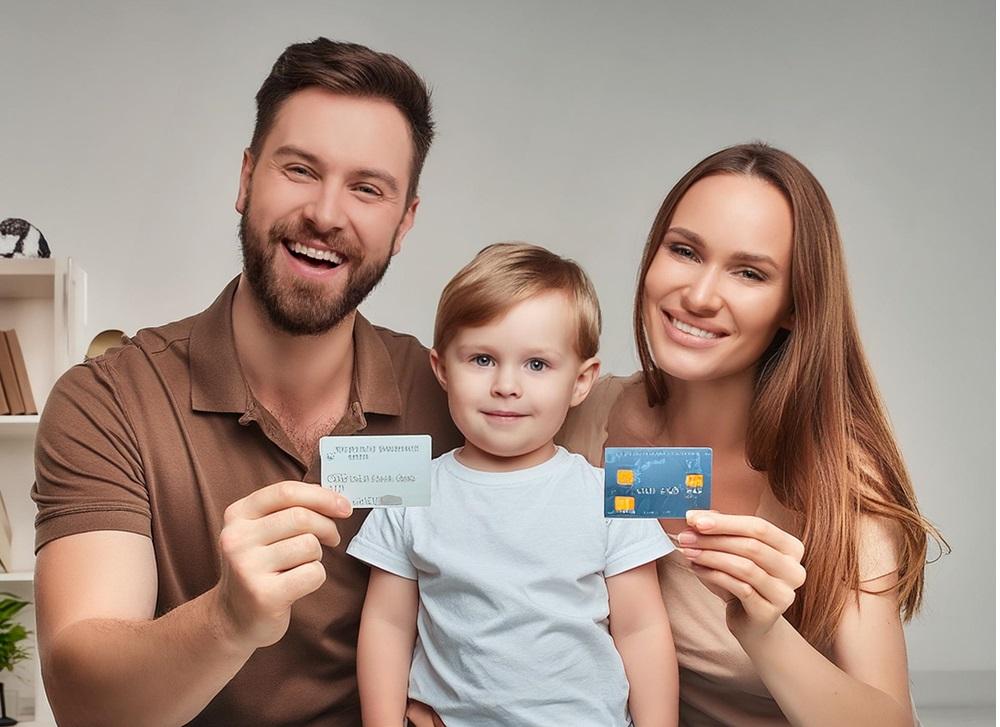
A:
[437, 366]
[585, 378]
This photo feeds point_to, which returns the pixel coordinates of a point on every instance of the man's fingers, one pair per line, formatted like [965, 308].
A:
[301, 580]
[293, 552]
[287, 494]
[288, 523]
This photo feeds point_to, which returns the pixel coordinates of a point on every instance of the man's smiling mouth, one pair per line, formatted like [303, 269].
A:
[312, 255]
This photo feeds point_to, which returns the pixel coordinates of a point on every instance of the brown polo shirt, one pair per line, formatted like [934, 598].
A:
[160, 436]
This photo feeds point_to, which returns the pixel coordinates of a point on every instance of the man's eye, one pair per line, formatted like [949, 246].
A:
[369, 190]
[299, 171]
[536, 365]
[482, 360]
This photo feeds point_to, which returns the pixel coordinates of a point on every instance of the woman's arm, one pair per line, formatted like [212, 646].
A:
[385, 648]
[755, 568]
[639, 626]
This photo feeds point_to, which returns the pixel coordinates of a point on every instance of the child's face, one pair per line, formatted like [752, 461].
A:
[511, 381]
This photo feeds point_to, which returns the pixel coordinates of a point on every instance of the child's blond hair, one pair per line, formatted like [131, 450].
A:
[507, 273]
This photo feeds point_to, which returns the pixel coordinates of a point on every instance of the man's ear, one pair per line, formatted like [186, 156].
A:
[405, 224]
[246, 172]
[586, 377]
[437, 366]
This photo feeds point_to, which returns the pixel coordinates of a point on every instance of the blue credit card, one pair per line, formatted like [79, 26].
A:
[660, 482]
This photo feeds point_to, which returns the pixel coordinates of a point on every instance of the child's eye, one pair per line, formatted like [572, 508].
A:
[536, 364]
[482, 360]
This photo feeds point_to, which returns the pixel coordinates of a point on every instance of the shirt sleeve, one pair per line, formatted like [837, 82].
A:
[89, 472]
[383, 541]
[633, 542]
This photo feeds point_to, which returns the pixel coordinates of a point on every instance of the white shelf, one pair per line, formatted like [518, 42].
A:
[25, 576]
[18, 425]
[27, 278]
[43, 300]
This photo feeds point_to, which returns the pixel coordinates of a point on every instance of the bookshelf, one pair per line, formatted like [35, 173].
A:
[44, 300]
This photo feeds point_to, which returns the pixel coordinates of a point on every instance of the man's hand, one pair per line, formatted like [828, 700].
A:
[271, 547]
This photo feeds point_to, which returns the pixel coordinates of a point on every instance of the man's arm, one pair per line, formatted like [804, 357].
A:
[639, 626]
[385, 647]
[107, 661]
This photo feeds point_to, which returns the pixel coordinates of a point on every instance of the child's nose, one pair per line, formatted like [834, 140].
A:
[505, 382]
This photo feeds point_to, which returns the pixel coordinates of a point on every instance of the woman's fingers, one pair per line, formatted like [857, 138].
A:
[709, 522]
[771, 561]
[737, 593]
[777, 592]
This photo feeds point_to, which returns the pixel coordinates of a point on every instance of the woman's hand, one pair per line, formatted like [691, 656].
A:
[746, 561]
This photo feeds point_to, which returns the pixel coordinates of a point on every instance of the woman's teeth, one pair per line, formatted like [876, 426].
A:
[686, 328]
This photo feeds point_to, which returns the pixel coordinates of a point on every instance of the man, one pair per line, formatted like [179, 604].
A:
[181, 572]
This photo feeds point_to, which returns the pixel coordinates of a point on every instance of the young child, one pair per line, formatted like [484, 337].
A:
[527, 606]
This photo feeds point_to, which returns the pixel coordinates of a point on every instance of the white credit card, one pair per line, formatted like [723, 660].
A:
[383, 471]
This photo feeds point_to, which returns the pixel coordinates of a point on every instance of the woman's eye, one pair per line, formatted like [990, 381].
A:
[749, 274]
[482, 360]
[683, 251]
[537, 365]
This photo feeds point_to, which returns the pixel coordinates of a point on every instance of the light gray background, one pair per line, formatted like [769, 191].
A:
[565, 123]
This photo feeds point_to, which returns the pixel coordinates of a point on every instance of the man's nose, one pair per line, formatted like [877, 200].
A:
[326, 210]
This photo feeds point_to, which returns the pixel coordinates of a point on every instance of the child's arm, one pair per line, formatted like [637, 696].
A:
[385, 648]
[641, 631]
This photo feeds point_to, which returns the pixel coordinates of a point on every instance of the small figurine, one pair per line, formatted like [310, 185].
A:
[20, 238]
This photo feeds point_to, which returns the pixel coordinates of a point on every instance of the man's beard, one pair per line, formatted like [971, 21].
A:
[295, 306]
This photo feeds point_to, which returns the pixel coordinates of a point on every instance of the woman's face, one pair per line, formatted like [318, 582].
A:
[719, 287]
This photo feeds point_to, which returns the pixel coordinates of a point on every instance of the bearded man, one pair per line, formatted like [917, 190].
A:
[178, 534]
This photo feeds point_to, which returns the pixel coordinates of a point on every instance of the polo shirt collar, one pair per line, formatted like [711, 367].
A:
[218, 384]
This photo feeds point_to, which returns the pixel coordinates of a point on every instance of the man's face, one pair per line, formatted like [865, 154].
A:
[329, 207]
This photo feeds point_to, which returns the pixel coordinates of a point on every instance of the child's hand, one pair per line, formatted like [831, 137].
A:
[746, 561]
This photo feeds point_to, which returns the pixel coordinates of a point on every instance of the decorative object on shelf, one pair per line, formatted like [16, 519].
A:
[104, 340]
[14, 376]
[12, 634]
[5, 537]
[20, 238]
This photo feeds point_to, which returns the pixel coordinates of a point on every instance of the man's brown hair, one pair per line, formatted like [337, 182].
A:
[351, 70]
[507, 273]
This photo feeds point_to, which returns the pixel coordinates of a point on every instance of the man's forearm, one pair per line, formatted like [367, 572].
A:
[158, 672]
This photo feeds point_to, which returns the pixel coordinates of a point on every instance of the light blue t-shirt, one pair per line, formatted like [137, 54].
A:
[512, 627]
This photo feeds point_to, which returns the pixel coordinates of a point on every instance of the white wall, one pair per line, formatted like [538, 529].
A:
[564, 123]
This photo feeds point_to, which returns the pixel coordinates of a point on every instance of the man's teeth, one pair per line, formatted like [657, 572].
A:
[682, 326]
[326, 255]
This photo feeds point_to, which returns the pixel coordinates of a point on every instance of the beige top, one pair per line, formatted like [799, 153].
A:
[718, 682]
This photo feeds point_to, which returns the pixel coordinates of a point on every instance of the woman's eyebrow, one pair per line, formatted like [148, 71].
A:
[744, 257]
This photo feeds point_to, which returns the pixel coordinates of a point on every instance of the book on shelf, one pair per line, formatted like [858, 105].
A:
[8, 378]
[5, 535]
[24, 386]
[4, 406]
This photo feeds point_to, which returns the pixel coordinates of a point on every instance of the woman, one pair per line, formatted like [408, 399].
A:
[786, 599]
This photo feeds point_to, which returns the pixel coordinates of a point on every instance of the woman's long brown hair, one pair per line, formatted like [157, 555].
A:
[818, 427]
